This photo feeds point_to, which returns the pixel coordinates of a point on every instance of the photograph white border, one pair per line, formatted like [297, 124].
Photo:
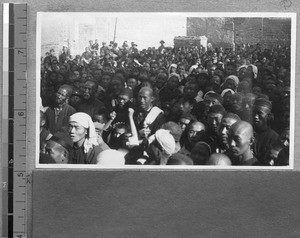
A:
[293, 17]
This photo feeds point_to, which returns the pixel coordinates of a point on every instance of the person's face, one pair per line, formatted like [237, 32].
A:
[239, 141]
[74, 100]
[226, 98]
[116, 87]
[236, 103]
[190, 89]
[209, 102]
[146, 66]
[230, 84]
[195, 133]
[249, 72]
[77, 132]
[61, 96]
[118, 132]
[213, 121]
[100, 118]
[181, 69]
[242, 73]
[184, 107]
[172, 83]
[89, 90]
[77, 74]
[216, 79]
[122, 100]
[256, 90]
[154, 68]
[243, 87]
[226, 123]
[260, 115]
[173, 70]
[199, 154]
[105, 81]
[131, 83]
[56, 152]
[160, 81]
[145, 100]
[183, 122]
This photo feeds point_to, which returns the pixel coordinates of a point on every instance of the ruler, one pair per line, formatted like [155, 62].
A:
[14, 120]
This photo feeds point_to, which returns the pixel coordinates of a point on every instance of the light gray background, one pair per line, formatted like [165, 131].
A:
[159, 204]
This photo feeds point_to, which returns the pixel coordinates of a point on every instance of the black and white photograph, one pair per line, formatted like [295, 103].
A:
[165, 90]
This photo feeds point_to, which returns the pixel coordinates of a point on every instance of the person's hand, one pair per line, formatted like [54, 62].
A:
[113, 115]
[130, 112]
[145, 132]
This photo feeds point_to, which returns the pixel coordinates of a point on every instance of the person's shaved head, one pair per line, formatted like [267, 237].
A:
[145, 98]
[196, 132]
[219, 159]
[68, 88]
[240, 138]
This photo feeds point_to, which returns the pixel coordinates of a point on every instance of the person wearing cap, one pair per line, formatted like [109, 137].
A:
[104, 49]
[95, 47]
[161, 47]
[64, 55]
[265, 136]
[57, 116]
[231, 82]
[210, 98]
[214, 118]
[51, 57]
[161, 148]
[133, 49]
[240, 141]
[58, 149]
[75, 98]
[83, 134]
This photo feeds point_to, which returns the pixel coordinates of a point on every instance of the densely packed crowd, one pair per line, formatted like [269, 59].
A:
[118, 105]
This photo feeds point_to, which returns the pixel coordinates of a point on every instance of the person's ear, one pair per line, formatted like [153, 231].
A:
[65, 154]
[270, 118]
[43, 122]
[252, 139]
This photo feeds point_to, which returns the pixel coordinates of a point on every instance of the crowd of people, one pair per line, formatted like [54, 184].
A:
[118, 105]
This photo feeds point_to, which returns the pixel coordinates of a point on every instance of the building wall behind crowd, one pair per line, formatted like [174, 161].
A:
[268, 31]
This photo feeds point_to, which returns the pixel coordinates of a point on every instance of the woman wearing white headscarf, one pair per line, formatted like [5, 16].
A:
[83, 134]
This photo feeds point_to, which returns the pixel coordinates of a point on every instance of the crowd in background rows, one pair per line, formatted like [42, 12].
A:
[188, 105]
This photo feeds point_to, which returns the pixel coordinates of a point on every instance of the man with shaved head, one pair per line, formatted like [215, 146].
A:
[189, 138]
[219, 159]
[57, 116]
[240, 140]
[148, 118]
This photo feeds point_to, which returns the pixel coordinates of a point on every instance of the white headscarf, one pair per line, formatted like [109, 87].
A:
[166, 140]
[226, 90]
[85, 120]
